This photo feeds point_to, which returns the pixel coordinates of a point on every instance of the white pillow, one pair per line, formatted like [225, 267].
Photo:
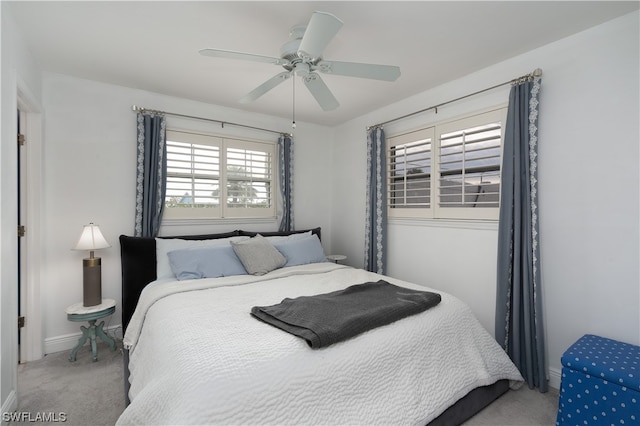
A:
[165, 245]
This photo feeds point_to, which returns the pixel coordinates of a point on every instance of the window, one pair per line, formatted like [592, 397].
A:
[450, 170]
[214, 177]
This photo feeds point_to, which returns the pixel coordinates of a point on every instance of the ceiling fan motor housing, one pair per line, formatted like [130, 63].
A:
[289, 50]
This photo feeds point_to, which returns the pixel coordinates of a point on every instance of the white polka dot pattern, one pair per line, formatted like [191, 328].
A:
[600, 383]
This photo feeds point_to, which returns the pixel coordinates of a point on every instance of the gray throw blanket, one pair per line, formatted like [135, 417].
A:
[325, 319]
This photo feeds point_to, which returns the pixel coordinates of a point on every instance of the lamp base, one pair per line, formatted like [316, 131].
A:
[91, 281]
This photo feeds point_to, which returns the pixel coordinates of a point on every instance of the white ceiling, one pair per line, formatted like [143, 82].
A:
[153, 45]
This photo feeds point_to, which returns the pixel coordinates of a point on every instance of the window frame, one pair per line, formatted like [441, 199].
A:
[436, 130]
[223, 211]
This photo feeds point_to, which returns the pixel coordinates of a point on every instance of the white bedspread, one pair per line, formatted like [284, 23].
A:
[200, 358]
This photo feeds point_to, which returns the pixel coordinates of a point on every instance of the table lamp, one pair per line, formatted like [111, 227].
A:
[91, 239]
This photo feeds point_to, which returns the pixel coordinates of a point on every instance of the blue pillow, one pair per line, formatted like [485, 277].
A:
[301, 252]
[205, 262]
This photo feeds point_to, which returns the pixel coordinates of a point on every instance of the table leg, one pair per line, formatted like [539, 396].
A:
[92, 336]
[81, 342]
[92, 333]
[105, 338]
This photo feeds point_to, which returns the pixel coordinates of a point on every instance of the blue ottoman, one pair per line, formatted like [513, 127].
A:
[600, 383]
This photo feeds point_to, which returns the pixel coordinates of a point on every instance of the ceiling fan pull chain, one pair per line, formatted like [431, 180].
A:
[293, 125]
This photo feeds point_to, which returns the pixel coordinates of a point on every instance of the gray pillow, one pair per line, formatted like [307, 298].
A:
[258, 256]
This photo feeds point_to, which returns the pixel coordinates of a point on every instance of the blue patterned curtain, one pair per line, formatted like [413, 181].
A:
[519, 319]
[285, 152]
[375, 242]
[150, 179]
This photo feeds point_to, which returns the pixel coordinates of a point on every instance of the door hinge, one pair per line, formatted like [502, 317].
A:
[21, 140]
[20, 322]
[21, 230]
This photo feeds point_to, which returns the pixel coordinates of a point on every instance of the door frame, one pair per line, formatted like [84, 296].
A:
[31, 341]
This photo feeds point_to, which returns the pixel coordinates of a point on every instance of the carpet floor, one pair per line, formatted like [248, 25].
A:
[91, 393]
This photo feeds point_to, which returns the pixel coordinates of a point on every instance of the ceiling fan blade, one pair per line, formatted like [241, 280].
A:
[320, 91]
[321, 29]
[353, 69]
[265, 87]
[230, 54]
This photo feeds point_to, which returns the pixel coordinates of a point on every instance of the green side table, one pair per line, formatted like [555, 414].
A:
[80, 313]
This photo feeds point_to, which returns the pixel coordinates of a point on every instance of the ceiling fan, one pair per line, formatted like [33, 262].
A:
[302, 56]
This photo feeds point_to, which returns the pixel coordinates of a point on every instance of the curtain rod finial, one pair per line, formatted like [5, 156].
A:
[537, 72]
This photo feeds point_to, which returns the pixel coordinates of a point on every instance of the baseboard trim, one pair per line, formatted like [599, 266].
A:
[67, 342]
[9, 406]
[555, 377]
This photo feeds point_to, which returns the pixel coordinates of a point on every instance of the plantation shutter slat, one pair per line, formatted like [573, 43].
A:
[469, 165]
[409, 171]
[248, 178]
[192, 175]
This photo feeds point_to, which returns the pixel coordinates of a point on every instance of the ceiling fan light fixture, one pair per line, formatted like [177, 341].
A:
[301, 69]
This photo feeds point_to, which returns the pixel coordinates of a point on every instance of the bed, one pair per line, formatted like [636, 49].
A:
[195, 355]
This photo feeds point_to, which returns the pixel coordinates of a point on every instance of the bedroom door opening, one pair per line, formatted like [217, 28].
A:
[20, 233]
[29, 160]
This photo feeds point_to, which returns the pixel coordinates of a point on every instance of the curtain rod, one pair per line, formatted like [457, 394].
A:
[536, 73]
[222, 123]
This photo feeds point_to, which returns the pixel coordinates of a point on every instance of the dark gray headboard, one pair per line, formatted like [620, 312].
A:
[138, 259]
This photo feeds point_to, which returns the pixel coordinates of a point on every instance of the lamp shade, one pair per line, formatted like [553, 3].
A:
[91, 239]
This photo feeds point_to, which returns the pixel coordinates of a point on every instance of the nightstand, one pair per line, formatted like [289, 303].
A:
[80, 313]
[335, 258]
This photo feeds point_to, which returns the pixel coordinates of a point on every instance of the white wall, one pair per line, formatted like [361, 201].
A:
[89, 175]
[18, 70]
[588, 190]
